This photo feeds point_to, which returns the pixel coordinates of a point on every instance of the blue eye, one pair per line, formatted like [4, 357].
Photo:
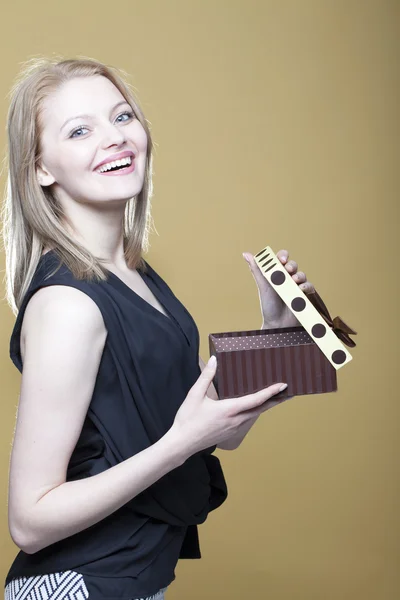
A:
[127, 113]
[76, 131]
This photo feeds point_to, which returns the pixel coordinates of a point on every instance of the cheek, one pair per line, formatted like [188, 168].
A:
[65, 158]
[140, 136]
[73, 160]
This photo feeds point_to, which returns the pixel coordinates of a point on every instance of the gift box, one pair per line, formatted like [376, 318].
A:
[306, 357]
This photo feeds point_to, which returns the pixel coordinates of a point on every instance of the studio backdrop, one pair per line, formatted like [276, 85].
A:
[275, 123]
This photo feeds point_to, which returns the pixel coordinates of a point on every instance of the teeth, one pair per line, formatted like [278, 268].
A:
[115, 163]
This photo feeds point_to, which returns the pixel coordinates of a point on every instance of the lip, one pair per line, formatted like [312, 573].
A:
[119, 173]
[116, 157]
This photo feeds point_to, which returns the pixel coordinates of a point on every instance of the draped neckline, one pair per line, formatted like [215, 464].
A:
[127, 291]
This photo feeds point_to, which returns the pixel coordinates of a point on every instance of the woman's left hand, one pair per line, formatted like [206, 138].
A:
[274, 311]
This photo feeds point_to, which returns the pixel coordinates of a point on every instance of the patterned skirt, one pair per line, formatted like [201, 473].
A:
[66, 585]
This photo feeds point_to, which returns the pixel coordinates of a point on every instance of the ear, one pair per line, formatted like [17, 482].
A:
[44, 177]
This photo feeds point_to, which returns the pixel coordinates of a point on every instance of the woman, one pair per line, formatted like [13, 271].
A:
[112, 466]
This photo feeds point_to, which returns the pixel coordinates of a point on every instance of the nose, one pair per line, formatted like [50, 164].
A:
[113, 135]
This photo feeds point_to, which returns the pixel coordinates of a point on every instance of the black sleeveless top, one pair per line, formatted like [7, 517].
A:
[149, 363]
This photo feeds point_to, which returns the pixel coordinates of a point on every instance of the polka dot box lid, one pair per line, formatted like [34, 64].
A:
[308, 316]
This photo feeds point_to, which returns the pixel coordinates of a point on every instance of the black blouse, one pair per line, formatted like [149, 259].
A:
[149, 363]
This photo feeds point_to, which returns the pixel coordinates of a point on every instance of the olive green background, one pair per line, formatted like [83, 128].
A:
[275, 122]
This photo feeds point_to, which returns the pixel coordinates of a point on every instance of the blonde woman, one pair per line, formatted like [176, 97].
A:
[112, 466]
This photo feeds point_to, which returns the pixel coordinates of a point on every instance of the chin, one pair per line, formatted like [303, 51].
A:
[119, 194]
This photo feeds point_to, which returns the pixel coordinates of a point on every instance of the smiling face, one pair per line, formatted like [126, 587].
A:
[87, 121]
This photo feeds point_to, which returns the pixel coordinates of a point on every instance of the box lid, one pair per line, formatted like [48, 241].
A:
[304, 311]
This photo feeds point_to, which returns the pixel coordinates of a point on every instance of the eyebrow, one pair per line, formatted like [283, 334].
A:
[91, 116]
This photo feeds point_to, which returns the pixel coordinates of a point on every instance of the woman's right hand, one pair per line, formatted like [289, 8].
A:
[202, 422]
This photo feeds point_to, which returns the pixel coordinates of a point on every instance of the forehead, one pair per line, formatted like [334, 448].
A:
[81, 95]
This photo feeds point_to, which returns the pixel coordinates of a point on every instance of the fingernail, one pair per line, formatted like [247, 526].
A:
[245, 258]
[212, 361]
[283, 387]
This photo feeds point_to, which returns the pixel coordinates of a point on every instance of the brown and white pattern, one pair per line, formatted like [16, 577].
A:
[300, 305]
[246, 364]
[262, 340]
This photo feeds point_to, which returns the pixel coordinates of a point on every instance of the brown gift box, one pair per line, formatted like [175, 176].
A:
[248, 361]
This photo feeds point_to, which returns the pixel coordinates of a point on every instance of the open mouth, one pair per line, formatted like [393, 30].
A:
[124, 164]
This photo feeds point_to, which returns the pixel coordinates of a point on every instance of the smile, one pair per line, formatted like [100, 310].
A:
[123, 165]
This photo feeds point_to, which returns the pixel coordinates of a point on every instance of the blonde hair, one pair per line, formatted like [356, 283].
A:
[32, 216]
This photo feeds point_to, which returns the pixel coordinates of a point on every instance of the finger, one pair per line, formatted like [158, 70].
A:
[283, 256]
[253, 266]
[291, 266]
[251, 262]
[307, 287]
[299, 277]
[264, 407]
[238, 405]
[270, 403]
[247, 256]
[255, 269]
[202, 384]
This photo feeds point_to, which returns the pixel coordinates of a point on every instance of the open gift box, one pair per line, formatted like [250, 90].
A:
[306, 357]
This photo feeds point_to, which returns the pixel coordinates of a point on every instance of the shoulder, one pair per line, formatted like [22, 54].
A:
[63, 301]
[62, 310]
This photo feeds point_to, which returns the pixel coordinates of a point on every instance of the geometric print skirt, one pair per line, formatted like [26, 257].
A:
[66, 585]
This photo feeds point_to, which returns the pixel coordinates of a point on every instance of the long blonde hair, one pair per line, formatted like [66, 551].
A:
[31, 215]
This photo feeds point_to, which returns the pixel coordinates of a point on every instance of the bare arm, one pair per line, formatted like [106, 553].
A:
[63, 340]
